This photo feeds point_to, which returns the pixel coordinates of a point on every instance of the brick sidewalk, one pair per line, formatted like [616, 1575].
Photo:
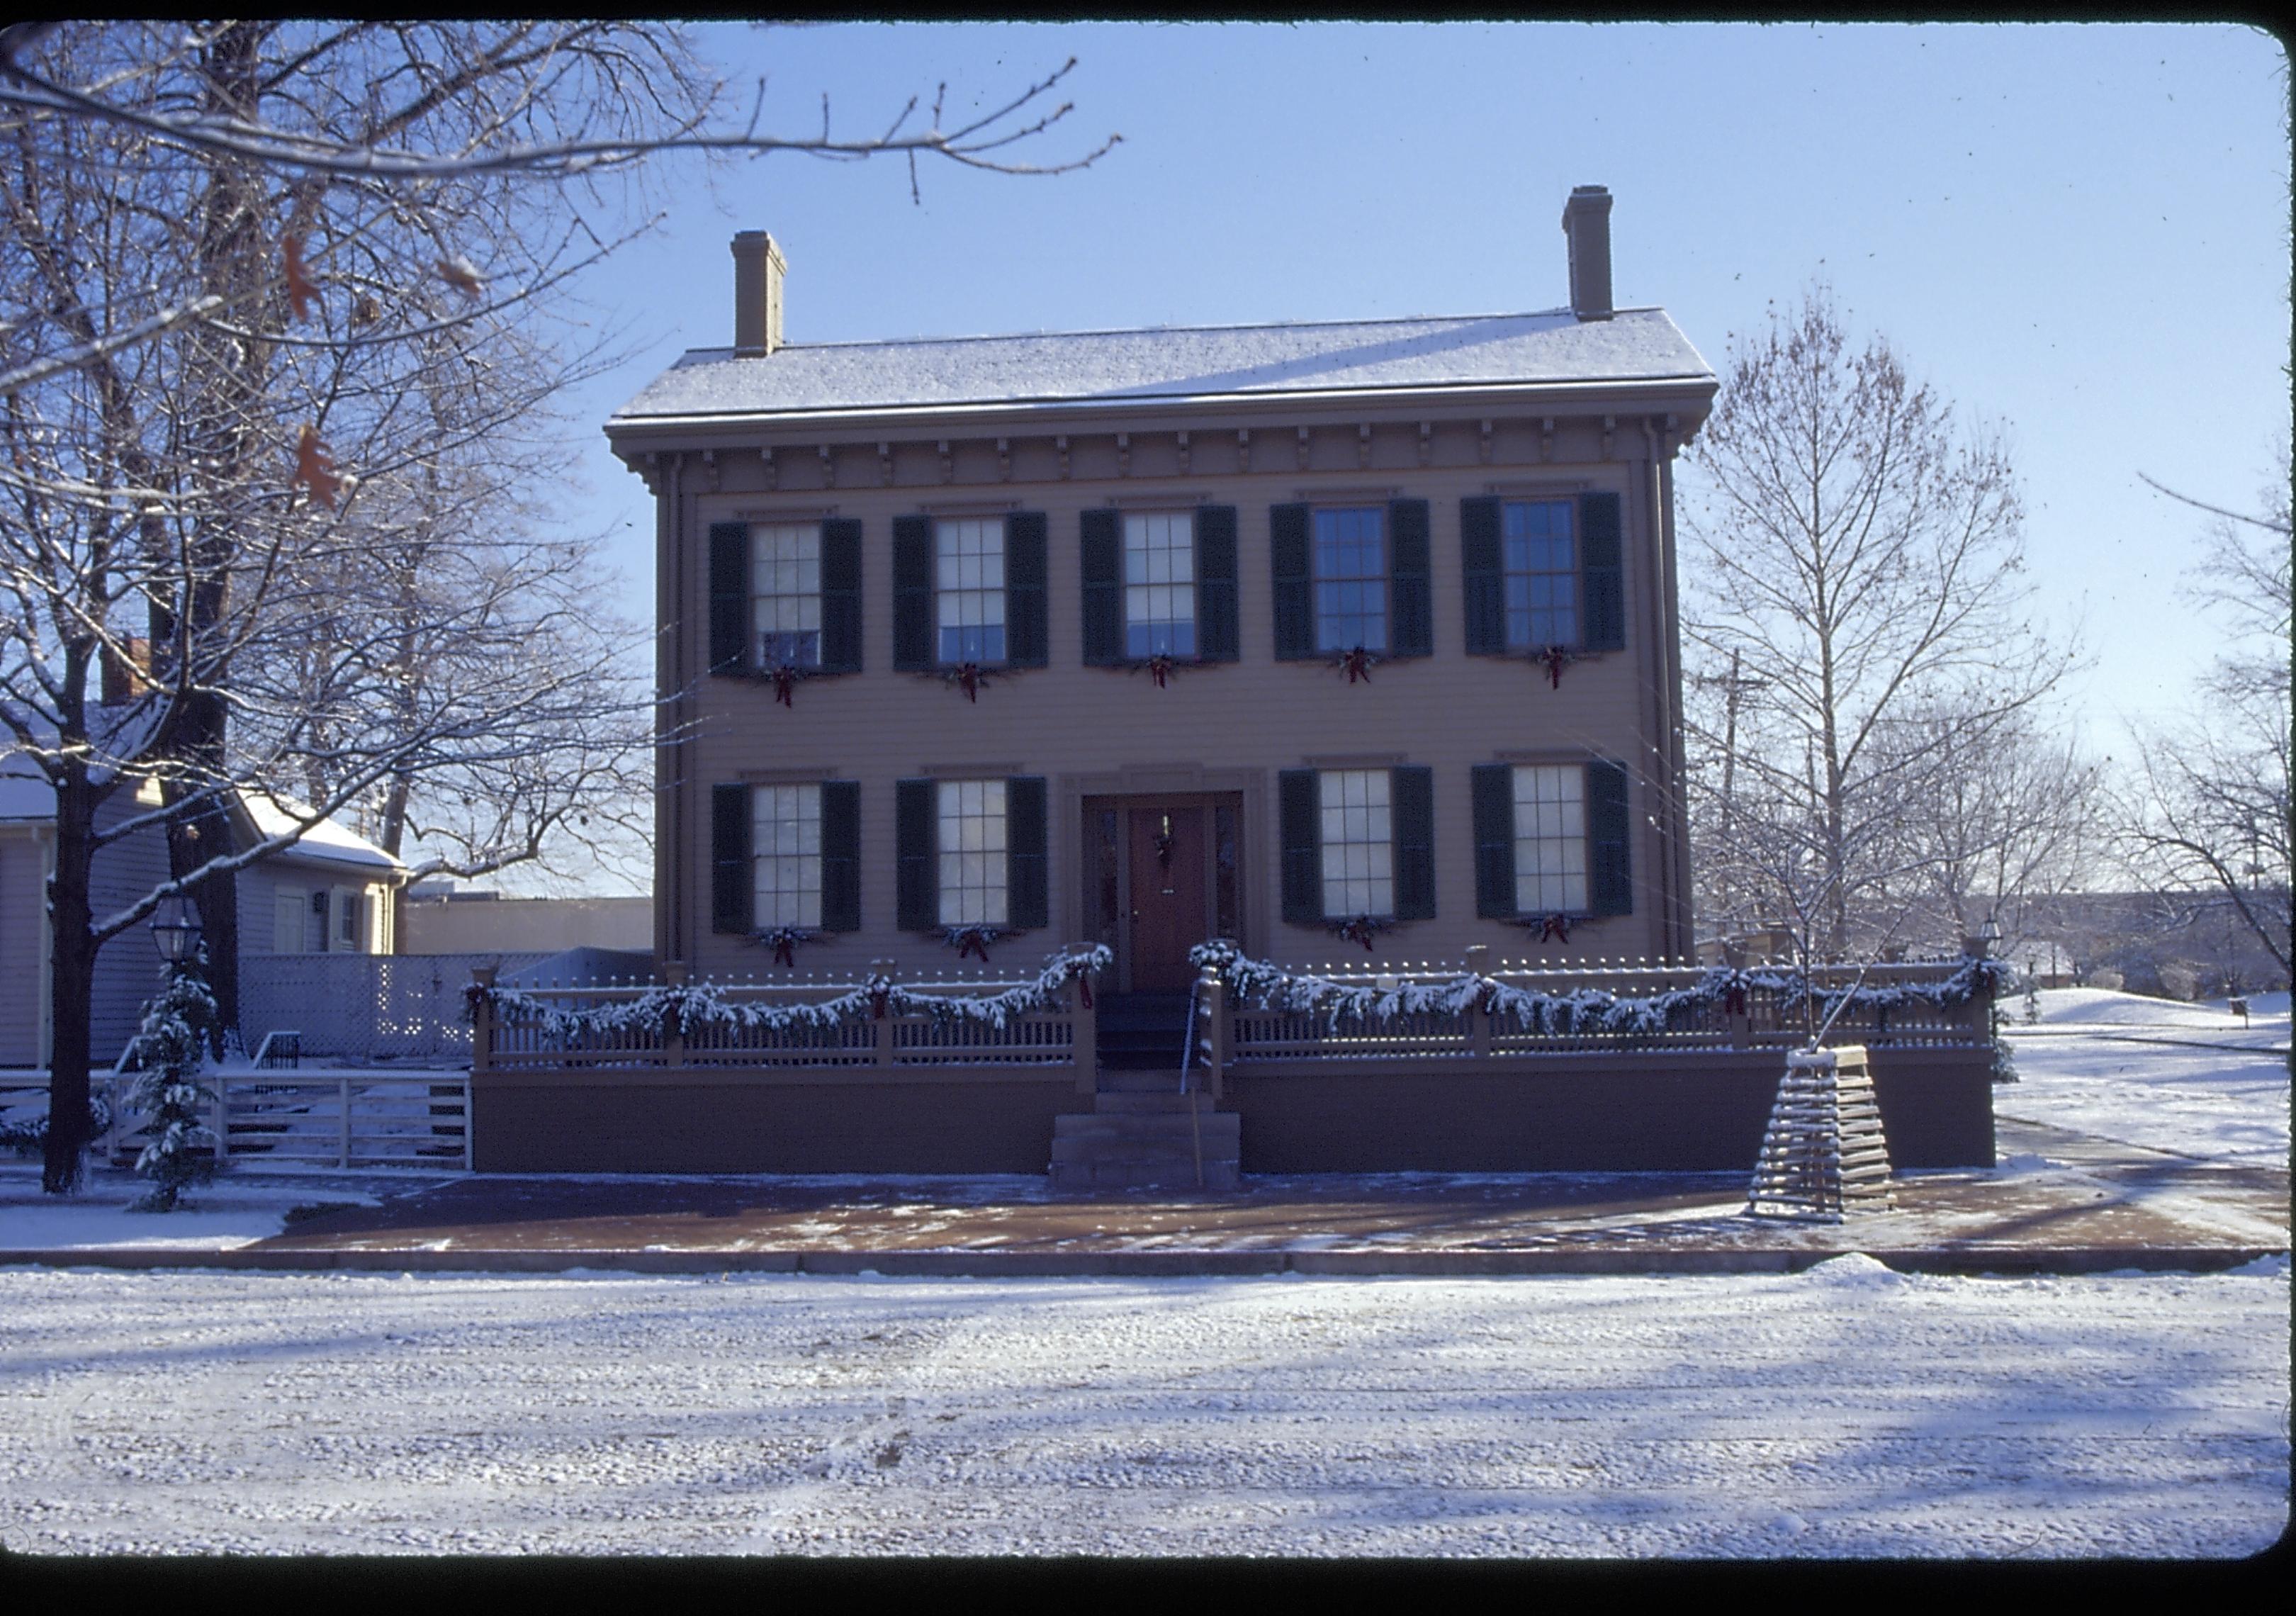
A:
[2098, 1205]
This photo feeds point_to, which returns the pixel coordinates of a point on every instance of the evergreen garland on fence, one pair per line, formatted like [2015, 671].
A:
[1580, 1012]
[664, 1012]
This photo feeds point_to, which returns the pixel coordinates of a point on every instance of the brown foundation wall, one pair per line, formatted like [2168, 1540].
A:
[1700, 1111]
[620, 1122]
[1625, 1112]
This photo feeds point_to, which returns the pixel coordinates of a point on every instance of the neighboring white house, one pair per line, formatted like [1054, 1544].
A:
[329, 893]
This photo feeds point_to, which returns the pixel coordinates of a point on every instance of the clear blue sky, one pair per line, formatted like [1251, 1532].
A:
[2078, 232]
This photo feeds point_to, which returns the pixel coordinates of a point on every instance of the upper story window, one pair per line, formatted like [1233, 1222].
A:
[1357, 841]
[1543, 572]
[1350, 574]
[1550, 839]
[785, 593]
[971, 839]
[1160, 584]
[969, 589]
[785, 846]
[1539, 555]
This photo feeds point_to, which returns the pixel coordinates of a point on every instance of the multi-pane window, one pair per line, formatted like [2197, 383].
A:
[785, 593]
[350, 921]
[1350, 566]
[1550, 839]
[1159, 584]
[1542, 576]
[968, 595]
[785, 847]
[1359, 844]
[972, 847]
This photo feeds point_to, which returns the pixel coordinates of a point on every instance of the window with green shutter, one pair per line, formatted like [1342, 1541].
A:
[1357, 841]
[1541, 572]
[1552, 839]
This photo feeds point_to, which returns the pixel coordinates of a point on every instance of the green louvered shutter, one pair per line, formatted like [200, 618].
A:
[841, 856]
[732, 878]
[1295, 593]
[916, 862]
[1303, 859]
[1100, 556]
[729, 597]
[913, 599]
[1610, 884]
[1484, 563]
[1494, 805]
[1411, 605]
[1027, 902]
[1026, 630]
[1601, 572]
[1216, 563]
[840, 595]
[1412, 790]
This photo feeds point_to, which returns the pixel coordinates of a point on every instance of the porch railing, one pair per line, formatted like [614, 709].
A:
[343, 1120]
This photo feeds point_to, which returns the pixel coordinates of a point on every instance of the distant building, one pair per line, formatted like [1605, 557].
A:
[437, 918]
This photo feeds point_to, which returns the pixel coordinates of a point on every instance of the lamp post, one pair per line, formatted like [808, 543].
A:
[176, 931]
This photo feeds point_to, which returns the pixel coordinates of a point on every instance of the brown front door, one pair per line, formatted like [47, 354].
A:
[1166, 865]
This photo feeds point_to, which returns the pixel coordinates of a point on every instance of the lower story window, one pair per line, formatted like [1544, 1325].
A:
[1358, 846]
[972, 853]
[1550, 839]
[785, 841]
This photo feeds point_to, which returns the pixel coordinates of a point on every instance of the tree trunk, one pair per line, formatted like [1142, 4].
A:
[71, 981]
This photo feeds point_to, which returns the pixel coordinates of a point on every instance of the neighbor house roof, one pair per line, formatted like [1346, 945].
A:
[1174, 362]
[26, 798]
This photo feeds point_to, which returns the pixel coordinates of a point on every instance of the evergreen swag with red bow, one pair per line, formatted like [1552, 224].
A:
[784, 941]
[972, 941]
[699, 1005]
[1357, 664]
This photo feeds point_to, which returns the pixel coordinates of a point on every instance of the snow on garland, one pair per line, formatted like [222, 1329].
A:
[1585, 1010]
[661, 1012]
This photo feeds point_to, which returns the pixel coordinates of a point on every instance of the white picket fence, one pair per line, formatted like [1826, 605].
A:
[365, 1006]
[332, 1119]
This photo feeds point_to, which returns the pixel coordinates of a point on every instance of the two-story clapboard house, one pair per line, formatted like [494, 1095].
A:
[1309, 635]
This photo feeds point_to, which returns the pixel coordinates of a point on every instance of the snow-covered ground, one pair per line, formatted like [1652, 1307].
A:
[2185, 1078]
[1845, 1411]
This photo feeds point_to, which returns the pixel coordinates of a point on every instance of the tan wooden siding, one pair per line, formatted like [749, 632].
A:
[1242, 721]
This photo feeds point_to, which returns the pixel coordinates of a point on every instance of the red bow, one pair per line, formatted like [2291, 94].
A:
[1359, 931]
[972, 939]
[785, 950]
[785, 678]
[1555, 657]
[878, 996]
[968, 680]
[1356, 664]
[1555, 927]
[1083, 991]
[1734, 1001]
[1160, 668]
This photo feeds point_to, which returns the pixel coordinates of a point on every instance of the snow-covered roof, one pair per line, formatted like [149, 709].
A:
[1176, 363]
[26, 798]
[327, 841]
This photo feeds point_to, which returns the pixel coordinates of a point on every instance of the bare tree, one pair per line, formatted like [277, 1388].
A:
[2208, 811]
[1856, 559]
[269, 292]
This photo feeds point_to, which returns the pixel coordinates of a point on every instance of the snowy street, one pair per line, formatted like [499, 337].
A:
[1844, 1411]
[1847, 1410]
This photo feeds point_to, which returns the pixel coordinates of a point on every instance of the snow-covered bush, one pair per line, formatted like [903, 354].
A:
[2103, 977]
[2179, 980]
[169, 1052]
[29, 1135]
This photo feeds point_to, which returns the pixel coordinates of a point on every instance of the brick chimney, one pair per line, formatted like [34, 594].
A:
[757, 270]
[125, 677]
[1587, 221]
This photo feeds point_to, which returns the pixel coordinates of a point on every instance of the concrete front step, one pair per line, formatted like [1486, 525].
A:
[1110, 1101]
[1155, 1130]
[1125, 1148]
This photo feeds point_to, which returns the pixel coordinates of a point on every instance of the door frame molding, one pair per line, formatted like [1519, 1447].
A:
[1182, 784]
